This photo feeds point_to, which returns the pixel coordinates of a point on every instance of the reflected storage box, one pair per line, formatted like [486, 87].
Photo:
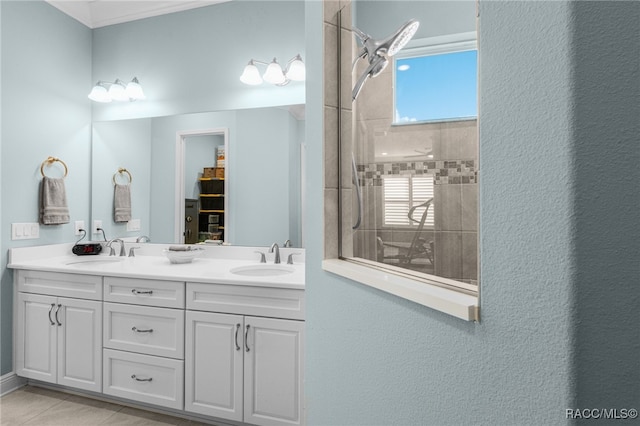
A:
[213, 172]
[211, 203]
[212, 187]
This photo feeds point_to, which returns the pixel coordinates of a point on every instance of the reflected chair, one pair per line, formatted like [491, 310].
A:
[405, 254]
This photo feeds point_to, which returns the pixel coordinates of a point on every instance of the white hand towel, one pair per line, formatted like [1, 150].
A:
[53, 202]
[122, 203]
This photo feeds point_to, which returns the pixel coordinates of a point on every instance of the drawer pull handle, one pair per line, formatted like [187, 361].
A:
[58, 310]
[51, 310]
[137, 330]
[237, 329]
[246, 338]
[134, 291]
[133, 376]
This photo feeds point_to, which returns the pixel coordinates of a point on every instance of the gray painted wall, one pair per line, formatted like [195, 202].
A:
[46, 70]
[606, 238]
[127, 144]
[559, 243]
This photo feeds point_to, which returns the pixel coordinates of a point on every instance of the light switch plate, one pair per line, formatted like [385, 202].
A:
[25, 231]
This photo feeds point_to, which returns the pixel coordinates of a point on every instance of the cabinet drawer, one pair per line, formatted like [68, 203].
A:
[60, 284]
[247, 300]
[168, 294]
[144, 378]
[149, 330]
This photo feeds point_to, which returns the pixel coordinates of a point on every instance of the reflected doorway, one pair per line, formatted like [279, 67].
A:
[198, 177]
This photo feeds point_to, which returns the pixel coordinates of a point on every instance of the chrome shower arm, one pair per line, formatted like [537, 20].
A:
[360, 34]
[372, 70]
[361, 54]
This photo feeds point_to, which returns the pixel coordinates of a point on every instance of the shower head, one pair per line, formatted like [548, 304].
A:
[392, 44]
[377, 52]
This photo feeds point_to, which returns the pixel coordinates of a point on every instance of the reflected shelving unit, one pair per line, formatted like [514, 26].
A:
[211, 213]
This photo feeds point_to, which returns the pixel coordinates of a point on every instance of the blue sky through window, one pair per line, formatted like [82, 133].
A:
[437, 87]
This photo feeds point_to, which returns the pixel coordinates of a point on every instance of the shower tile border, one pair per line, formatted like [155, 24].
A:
[445, 172]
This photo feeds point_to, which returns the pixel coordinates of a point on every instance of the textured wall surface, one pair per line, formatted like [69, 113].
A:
[374, 359]
[606, 202]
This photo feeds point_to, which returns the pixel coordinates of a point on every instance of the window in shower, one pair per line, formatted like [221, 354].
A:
[441, 86]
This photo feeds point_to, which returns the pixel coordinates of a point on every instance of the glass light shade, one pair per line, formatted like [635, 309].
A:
[297, 71]
[251, 75]
[274, 74]
[134, 90]
[99, 94]
[118, 92]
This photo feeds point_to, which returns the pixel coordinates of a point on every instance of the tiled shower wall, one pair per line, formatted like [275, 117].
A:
[335, 123]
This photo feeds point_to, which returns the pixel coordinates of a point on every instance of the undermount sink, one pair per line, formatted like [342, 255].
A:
[262, 270]
[95, 260]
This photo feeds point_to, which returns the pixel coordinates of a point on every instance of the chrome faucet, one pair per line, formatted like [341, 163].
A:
[112, 252]
[143, 239]
[287, 243]
[274, 247]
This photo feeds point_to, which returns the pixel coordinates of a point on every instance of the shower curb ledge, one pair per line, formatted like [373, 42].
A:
[451, 302]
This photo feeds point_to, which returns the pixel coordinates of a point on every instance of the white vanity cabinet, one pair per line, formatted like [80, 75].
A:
[144, 340]
[221, 348]
[59, 338]
[243, 367]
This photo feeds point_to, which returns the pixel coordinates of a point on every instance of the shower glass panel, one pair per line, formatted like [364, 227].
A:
[409, 192]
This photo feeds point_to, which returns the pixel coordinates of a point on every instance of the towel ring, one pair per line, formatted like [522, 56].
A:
[51, 160]
[122, 170]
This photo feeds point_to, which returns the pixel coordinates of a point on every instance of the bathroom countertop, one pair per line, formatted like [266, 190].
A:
[203, 269]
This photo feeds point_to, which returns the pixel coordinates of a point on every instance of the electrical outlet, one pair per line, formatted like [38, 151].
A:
[96, 224]
[79, 226]
[133, 225]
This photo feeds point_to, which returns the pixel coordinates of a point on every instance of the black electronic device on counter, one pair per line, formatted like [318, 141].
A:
[86, 249]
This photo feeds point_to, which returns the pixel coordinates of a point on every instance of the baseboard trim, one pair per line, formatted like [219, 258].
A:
[10, 382]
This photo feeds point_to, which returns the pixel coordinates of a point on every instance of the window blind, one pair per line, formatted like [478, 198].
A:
[403, 192]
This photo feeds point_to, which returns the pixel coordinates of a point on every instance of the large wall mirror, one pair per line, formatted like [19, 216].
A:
[264, 169]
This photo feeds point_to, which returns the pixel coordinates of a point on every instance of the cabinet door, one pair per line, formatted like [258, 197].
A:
[36, 337]
[80, 344]
[273, 375]
[213, 364]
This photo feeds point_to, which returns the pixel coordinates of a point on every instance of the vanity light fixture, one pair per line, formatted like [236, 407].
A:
[105, 91]
[274, 74]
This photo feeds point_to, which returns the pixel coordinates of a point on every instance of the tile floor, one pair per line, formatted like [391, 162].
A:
[31, 405]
